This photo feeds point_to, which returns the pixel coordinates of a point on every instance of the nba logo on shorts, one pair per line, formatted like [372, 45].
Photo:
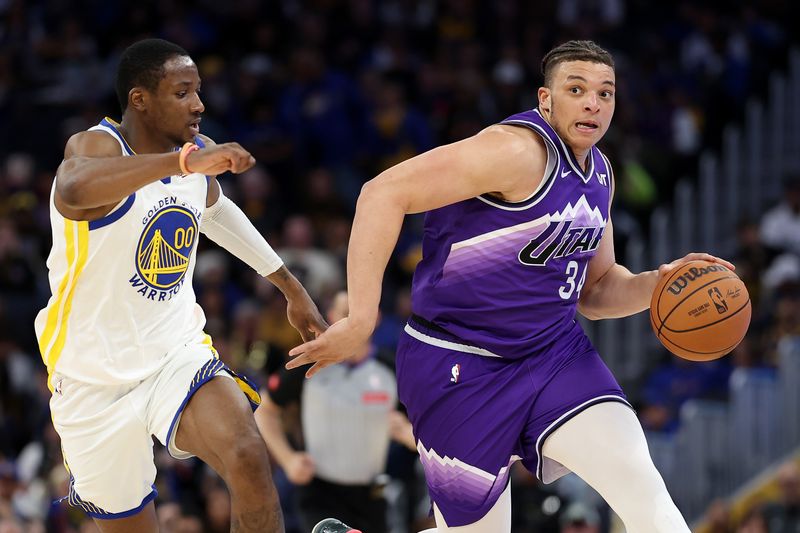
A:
[455, 371]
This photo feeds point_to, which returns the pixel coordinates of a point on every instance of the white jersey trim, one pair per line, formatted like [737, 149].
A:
[584, 175]
[441, 343]
[544, 219]
[113, 133]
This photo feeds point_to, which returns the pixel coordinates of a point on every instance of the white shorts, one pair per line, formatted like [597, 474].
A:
[106, 431]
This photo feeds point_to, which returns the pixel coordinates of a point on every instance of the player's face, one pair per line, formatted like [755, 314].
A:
[580, 102]
[177, 101]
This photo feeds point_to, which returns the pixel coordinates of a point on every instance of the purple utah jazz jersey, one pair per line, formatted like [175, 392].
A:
[505, 277]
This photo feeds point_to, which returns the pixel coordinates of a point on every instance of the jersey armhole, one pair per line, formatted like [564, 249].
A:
[553, 161]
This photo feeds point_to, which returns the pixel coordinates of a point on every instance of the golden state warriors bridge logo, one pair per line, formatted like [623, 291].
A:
[162, 256]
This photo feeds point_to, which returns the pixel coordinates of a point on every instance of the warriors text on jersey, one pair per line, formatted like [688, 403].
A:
[122, 295]
[505, 277]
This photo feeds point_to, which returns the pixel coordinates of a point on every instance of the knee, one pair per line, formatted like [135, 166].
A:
[246, 457]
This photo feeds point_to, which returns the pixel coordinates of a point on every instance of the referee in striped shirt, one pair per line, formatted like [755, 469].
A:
[348, 417]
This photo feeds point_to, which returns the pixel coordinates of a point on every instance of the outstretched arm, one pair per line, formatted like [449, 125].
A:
[224, 223]
[500, 159]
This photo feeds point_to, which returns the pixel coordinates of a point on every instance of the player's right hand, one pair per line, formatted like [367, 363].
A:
[337, 343]
[214, 160]
[300, 468]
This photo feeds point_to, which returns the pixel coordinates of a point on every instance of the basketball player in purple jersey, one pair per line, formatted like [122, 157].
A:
[493, 366]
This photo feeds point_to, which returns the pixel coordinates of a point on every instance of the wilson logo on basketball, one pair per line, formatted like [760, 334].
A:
[682, 281]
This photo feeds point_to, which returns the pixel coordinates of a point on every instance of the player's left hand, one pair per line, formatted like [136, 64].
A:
[339, 342]
[304, 316]
[666, 268]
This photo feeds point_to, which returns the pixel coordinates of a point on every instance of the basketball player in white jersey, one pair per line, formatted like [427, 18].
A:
[122, 335]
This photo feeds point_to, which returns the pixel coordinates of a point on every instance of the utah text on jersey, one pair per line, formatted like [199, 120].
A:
[576, 229]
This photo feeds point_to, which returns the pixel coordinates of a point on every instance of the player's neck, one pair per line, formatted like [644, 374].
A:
[582, 157]
[141, 139]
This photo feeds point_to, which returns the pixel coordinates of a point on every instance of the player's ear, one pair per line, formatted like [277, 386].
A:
[544, 99]
[136, 98]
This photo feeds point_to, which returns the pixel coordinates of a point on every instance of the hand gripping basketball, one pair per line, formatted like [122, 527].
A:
[700, 310]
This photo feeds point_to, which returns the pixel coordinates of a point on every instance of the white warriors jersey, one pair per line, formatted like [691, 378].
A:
[122, 295]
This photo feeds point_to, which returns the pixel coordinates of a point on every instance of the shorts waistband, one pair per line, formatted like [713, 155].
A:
[426, 331]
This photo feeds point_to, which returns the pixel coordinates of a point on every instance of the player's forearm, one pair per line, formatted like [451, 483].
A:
[224, 223]
[376, 227]
[618, 293]
[285, 281]
[268, 420]
[89, 182]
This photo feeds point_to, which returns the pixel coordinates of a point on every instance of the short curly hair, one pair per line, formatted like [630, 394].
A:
[573, 51]
[142, 65]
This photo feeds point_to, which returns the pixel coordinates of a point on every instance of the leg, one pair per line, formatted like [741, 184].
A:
[498, 519]
[101, 426]
[624, 474]
[217, 426]
[467, 430]
[145, 520]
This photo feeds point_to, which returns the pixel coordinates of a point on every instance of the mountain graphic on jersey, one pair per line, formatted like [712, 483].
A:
[575, 229]
[167, 241]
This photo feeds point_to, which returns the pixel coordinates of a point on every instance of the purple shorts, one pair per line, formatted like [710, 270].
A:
[474, 415]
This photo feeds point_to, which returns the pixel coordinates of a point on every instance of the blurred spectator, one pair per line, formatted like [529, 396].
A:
[718, 517]
[397, 131]
[316, 269]
[323, 109]
[754, 522]
[780, 226]
[676, 381]
[784, 516]
[785, 320]
[579, 518]
[751, 258]
[259, 195]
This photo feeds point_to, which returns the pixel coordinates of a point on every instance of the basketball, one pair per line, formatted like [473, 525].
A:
[700, 311]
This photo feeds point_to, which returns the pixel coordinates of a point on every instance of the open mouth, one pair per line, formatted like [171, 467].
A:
[587, 126]
[195, 127]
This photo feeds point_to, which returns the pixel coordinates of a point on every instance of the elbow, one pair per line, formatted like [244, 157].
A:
[70, 187]
[384, 195]
[70, 195]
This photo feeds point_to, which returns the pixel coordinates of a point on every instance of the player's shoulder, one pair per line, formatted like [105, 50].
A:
[512, 145]
[513, 138]
[91, 143]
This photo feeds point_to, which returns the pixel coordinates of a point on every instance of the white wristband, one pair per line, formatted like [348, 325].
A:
[226, 224]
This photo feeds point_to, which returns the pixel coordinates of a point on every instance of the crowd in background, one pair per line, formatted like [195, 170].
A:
[326, 94]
